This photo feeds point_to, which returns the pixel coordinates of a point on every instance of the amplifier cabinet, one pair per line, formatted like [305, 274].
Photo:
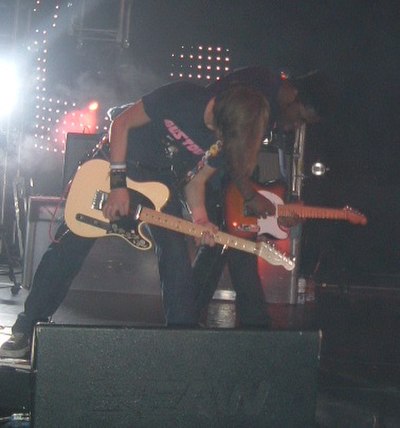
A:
[45, 213]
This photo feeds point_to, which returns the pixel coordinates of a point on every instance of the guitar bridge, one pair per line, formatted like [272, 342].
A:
[99, 199]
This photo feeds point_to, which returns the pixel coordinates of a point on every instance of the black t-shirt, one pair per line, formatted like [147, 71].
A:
[177, 135]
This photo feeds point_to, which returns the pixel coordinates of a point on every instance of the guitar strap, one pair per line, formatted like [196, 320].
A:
[213, 151]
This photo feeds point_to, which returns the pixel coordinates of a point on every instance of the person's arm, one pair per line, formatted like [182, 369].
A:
[133, 117]
[195, 192]
[257, 204]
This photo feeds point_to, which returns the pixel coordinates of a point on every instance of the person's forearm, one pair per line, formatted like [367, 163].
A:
[245, 187]
[118, 144]
[195, 193]
[195, 198]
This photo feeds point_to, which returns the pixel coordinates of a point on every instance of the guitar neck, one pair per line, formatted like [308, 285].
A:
[300, 211]
[260, 249]
[177, 224]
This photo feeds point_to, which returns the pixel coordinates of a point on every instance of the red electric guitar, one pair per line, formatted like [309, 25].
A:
[240, 224]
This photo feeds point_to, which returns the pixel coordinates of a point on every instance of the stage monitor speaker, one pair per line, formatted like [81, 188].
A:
[78, 149]
[152, 377]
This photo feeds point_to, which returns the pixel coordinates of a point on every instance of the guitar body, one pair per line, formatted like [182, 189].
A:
[88, 193]
[245, 226]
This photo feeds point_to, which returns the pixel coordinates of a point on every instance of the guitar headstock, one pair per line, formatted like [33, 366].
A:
[354, 216]
[269, 253]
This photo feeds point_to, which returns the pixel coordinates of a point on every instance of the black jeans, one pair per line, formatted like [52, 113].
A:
[251, 307]
[53, 277]
[209, 263]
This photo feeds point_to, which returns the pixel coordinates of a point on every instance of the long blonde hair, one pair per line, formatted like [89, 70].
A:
[240, 117]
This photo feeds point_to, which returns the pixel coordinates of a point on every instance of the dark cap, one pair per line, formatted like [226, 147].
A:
[317, 90]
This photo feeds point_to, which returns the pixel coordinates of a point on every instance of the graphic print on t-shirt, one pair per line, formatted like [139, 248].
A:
[182, 138]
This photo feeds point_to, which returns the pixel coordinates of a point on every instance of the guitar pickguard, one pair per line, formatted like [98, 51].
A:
[270, 224]
[130, 234]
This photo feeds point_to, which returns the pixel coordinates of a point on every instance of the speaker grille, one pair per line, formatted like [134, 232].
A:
[78, 149]
[135, 377]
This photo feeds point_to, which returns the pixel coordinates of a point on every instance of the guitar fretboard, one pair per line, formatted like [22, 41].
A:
[295, 210]
[260, 249]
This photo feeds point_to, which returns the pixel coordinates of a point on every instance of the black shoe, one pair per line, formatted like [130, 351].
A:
[17, 346]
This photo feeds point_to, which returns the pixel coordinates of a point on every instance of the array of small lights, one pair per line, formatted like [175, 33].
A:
[203, 63]
[55, 117]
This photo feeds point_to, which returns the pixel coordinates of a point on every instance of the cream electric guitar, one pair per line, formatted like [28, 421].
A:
[88, 193]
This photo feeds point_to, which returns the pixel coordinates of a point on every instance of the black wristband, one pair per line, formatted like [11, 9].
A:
[118, 179]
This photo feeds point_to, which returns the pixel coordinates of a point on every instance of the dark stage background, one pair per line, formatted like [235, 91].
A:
[357, 42]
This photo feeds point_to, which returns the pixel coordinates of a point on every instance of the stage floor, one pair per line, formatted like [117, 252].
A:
[359, 374]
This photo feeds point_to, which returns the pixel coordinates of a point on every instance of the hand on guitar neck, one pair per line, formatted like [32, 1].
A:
[259, 206]
[293, 220]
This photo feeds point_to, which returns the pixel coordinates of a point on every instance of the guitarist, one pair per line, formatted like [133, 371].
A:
[293, 101]
[180, 134]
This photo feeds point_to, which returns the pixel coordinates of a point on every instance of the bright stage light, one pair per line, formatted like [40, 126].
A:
[9, 87]
[93, 106]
